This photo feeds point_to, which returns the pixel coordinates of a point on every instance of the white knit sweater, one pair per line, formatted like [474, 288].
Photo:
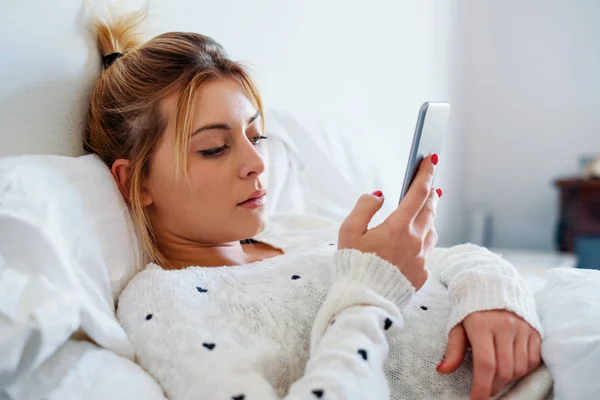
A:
[314, 322]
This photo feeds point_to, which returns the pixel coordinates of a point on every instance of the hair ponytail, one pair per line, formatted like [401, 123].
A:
[120, 34]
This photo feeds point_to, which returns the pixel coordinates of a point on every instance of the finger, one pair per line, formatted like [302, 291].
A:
[484, 365]
[418, 192]
[357, 221]
[425, 220]
[534, 349]
[503, 343]
[430, 240]
[520, 353]
[455, 353]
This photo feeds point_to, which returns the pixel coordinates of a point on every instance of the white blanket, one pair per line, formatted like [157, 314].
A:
[569, 306]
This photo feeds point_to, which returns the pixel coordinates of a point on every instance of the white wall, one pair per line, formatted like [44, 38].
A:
[532, 95]
[374, 62]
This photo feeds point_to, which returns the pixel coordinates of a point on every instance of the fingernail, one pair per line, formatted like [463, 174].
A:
[377, 193]
[439, 192]
[434, 159]
[440, 365]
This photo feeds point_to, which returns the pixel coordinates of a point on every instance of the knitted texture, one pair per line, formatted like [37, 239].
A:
[314, 322]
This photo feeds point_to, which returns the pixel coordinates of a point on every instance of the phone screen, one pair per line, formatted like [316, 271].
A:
[429, 136]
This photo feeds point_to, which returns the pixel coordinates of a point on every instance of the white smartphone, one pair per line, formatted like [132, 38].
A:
[430, 131]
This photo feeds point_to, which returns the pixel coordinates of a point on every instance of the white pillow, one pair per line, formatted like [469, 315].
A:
[569, 307]
[81, 370]
[321, 166]
[66, 250]
[78, 196]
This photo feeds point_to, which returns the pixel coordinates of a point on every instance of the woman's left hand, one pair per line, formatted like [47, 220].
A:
[505, 348]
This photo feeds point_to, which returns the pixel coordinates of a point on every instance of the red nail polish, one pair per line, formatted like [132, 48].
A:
[378, 193]
[434, 159]
[440, 366]
[439, 192]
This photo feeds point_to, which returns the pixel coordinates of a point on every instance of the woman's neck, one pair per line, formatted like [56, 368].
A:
[182, 253]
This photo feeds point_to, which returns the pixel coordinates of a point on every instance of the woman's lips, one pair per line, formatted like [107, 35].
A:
[255, 202]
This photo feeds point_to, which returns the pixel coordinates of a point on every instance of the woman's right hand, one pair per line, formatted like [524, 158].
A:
[407, 235]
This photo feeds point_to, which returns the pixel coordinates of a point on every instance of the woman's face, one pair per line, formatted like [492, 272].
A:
[227, 164]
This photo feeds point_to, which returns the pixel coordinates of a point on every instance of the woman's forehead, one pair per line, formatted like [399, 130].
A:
[217, 101]
[223, 100]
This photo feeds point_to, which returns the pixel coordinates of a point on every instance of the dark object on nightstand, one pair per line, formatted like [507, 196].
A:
[579, 220]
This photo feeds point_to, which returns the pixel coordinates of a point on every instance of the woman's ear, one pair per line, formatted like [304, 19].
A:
[121, 172]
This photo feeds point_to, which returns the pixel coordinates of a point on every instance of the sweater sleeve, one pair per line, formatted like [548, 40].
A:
[349, 342]
[479, 280]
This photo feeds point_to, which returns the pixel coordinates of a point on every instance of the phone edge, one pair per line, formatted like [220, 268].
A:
[411, 167]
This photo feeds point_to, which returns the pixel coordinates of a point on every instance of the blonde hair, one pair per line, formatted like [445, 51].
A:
[125, 119]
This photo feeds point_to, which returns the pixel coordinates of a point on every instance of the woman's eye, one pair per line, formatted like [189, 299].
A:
[217, 151]
[213, 152]
[257, 139]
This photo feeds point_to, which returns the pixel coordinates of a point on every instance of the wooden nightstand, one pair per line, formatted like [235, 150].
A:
[578, 227]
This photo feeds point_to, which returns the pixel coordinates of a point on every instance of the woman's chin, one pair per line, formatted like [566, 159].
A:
[262, 219]
[255, 223]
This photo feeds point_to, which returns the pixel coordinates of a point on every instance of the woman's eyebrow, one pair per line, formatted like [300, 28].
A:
[254, 117]
[222, 126]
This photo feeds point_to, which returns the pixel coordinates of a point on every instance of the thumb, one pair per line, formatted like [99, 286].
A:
[455, 353]
[358, 220]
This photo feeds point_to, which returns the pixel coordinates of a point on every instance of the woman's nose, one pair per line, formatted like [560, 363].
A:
[253, 162]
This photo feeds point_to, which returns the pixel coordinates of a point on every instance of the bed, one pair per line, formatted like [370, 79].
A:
[67, 246]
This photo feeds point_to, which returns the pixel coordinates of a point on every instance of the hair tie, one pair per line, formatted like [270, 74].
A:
[108, 59]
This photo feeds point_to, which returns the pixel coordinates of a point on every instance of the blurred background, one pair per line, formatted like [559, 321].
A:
[522, 78]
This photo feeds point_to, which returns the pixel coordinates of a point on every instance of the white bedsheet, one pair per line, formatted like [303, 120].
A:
[569, 307]
[81, 370]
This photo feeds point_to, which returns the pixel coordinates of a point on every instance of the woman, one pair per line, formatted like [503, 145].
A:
[286, 315]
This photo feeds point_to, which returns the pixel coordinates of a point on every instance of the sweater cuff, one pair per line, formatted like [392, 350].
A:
[484, 292]
[374, 272]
